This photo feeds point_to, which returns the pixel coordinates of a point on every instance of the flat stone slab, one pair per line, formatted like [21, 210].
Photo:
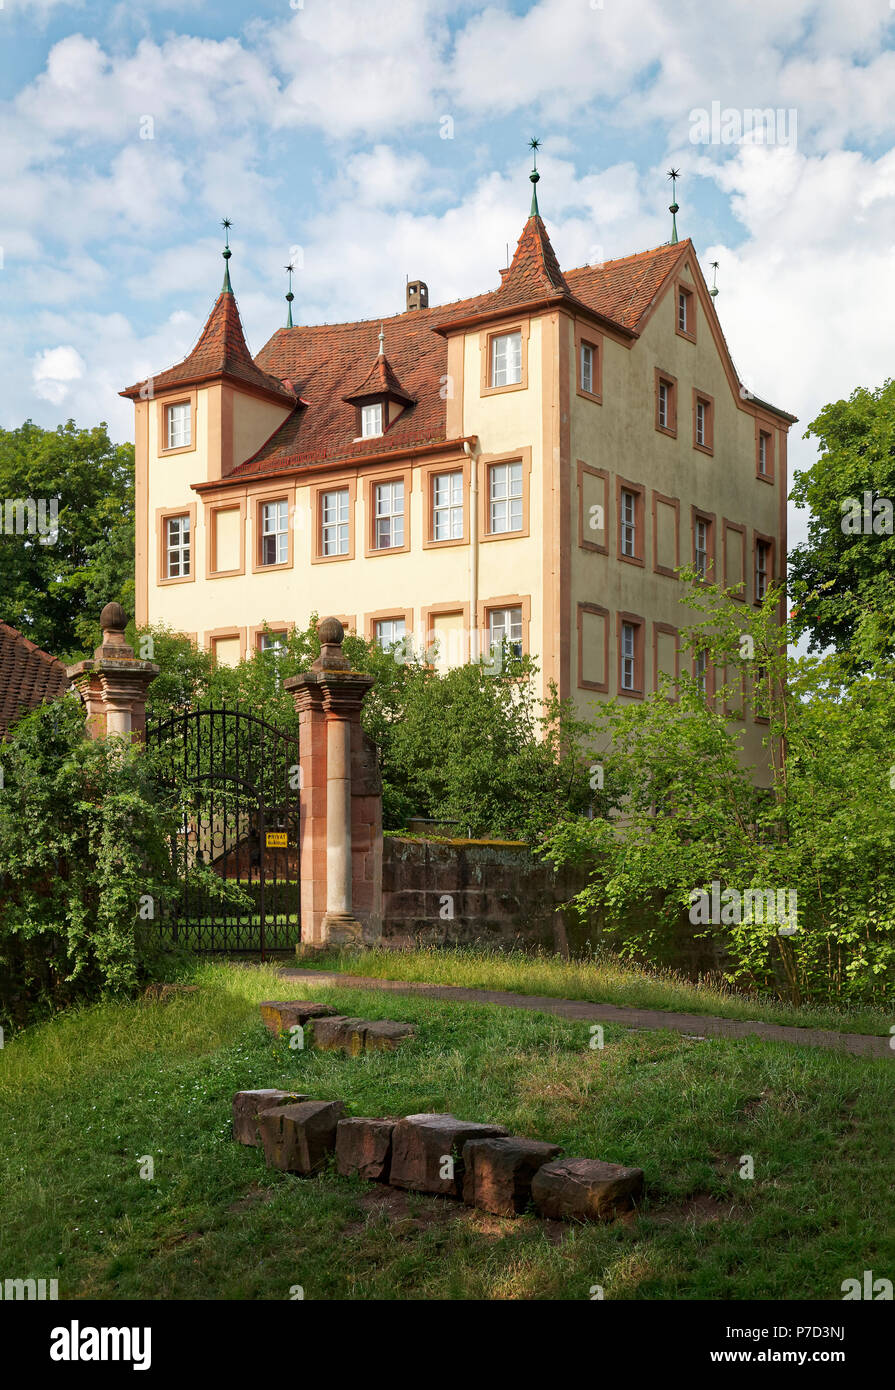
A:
[364, 1148]
[427, 1152]
[585, 1189]
[498, 1173]
[339, 1033]
[281, 1015]
[247, 1105]
[300, 1138]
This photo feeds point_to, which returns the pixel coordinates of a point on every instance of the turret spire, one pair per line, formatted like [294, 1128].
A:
[289, 296]
[534, 146]
[674, 175]
[226, 253]
[381, 342]
[714, 290]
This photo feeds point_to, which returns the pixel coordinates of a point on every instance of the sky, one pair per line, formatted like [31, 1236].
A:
[372, 140]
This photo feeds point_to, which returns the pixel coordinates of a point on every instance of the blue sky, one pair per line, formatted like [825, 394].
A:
[129, 131]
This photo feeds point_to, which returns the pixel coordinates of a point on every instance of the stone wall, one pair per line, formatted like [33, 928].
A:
[497, 893]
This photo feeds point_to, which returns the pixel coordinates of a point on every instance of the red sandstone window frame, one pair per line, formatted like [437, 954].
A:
[709, 518]
[584, 527]
[765, 431]
[588, 337]
[740, 584]
[486, 338]
[683, 287]
[189, 398]
[317, 490]
[623, 485]
[597, 611]
[668, 630]
[663, 378]
[162, 516]
[759, 538]
[702, 398]
[659, 498]
[637, 621]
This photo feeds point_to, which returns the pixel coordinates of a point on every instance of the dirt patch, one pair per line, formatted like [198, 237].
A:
[697, 1210]
[408, 1213]
[251, 1198]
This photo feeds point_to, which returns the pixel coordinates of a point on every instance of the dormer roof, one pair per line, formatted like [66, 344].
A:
[380, 381]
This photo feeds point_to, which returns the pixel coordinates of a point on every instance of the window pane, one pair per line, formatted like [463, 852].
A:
[506, 359]
[334, 514]
[447, 506]
[371, 420]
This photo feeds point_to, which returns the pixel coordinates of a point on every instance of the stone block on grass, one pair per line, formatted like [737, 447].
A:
[364, 1148]
[422, 1146]
[300, 1138]
[281, 1015]
[247, 1105]
[339, 1034]
[497, 1173]
[384, 1034]
[585, 1189]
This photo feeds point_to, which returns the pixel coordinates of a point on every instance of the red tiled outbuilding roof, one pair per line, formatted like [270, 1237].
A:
[28, 676]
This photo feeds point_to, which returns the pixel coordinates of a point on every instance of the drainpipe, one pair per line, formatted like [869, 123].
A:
[472, 455]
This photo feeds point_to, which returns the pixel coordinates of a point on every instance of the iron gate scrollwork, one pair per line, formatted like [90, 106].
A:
[238, 778]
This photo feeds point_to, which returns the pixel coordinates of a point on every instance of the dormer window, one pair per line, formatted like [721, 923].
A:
[371, 420]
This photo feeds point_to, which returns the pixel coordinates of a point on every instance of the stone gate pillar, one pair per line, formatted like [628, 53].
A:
[113, 682]
[341, 801]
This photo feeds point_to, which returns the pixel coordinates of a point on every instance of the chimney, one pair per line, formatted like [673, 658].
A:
[417, 295]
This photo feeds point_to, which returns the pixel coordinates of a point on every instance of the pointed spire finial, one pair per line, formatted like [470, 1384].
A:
[714, 290]
[381, 342]
[290, 296]
[226, 253]
[534, 145]
[674, 175]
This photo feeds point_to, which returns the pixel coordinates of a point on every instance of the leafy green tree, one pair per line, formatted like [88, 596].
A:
[56, 577]
[686, 812]
[843, 577]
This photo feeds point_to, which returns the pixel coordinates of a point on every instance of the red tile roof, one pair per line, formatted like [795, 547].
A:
[220, 352]
[28, 676]
[321, 361]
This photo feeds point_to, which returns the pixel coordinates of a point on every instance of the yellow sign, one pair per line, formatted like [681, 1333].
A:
[276, 839]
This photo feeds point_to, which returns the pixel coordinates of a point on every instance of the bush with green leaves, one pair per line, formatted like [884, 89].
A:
[684, 811]
[85, 865]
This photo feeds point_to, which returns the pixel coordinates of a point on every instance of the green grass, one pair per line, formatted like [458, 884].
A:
[84, 1097]
[601, 978]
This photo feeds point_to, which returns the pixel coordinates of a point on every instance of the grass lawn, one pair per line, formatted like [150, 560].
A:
[601, 979]
[85, 1097]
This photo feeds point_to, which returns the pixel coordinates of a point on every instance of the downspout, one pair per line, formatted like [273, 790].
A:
[472, 455]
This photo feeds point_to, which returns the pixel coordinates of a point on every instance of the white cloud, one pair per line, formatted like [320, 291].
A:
[54, 371]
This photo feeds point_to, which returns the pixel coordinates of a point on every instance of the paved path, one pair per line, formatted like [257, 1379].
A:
[693, 1025]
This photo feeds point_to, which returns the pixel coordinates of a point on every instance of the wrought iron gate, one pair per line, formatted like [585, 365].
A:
[238, 778]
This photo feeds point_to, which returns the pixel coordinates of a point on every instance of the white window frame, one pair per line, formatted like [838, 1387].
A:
[275, 528]
[664, 401]
[178, 550]
[271, 642]
[504, 498]
[763, 438]
[388, 515]
[371, 420]
[334, 522]
[701, 409]
[701, 546]
[179, 425]
[629, 523]
[683, 311]
[505, 625]
[447, 506]
[506, 359]
[629, 656]
[389, 632]
[762, 556]
[586, 367]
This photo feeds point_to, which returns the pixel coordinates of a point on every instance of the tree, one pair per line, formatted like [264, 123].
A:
[687, 816]
[843, 577]
[56, 575]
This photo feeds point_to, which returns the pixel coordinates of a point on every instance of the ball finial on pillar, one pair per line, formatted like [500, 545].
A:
[331, 658]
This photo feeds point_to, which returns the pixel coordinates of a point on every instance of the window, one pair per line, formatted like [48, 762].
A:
[371, 421]
[701, 409]
[272, 642]
[506, 359]
[334, 522]
[685, 312]
[701, 546]
[447, 506]
[390, 631]
[762, 567]
[388, 521]
[666, 403]
[275, 532]
[682, 315]
[629, 522]
[505, 625]
[504, 497]
[764, 440]
[587, 367]
[629, 657]
[177, 547]
[179, 425]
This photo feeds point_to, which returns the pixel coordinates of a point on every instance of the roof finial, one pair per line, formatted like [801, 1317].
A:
[290, 296]
[381, 342]
[226, 253]
[534, 145]
[674, 175]
[714, 290]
